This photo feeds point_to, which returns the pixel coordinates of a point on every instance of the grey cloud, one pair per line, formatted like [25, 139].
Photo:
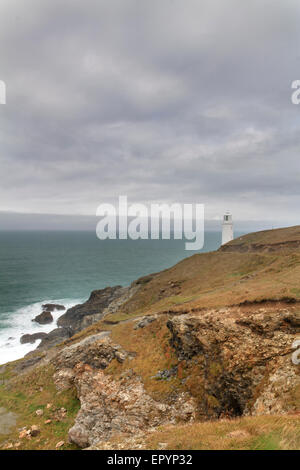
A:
[161, 100]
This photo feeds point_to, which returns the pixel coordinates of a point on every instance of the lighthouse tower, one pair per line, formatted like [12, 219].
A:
[227, 228]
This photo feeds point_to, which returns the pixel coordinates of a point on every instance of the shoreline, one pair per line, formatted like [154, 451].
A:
[19, 322]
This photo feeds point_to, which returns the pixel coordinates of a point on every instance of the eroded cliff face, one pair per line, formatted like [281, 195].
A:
[242, 359]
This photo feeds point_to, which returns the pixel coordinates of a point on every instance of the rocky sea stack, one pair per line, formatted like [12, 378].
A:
[44, 318]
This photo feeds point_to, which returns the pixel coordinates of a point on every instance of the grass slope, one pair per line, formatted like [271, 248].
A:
[23, 395]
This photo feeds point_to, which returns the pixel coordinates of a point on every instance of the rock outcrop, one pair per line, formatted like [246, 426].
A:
[100, 303]
[96, 351]
[82, 315]
[110, 405]
[55, 337]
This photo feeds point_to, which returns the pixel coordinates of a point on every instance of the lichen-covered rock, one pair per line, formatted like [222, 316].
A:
[281, 390]
[111, 406]
[96, 350]
[64, 379]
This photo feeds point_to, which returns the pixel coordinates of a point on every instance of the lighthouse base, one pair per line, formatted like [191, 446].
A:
[227, 234]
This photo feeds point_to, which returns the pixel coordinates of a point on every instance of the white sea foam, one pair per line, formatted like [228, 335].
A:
[18, 323]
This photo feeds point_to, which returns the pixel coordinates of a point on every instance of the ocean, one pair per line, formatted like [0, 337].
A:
[64, 267]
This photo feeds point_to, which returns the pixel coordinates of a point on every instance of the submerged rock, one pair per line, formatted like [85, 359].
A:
[52, 307]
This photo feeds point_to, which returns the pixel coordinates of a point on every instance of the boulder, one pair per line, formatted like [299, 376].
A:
[145, 321]
[32, 338]
[44, 318]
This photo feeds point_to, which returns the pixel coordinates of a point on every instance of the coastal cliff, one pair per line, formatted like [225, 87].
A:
[200, 353]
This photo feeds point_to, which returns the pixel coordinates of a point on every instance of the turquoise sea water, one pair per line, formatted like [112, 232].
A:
[38, 267]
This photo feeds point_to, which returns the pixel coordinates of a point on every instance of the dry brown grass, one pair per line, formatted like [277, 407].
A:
[152, 353]
[219, 279]
[280, 235]
[260, 432]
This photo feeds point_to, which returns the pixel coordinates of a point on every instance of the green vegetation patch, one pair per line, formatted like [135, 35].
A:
[27, 393]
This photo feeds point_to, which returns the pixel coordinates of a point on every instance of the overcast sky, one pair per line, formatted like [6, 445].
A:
[159, 100]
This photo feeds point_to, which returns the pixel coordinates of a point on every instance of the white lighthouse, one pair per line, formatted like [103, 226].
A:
[227, 228]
